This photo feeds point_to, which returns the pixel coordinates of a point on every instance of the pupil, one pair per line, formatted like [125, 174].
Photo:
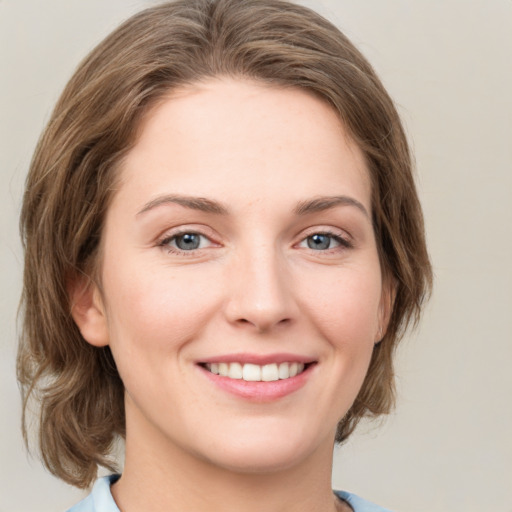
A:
[319, 242]
[188, 241]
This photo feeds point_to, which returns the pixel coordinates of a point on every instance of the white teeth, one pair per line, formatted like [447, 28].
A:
[223, 369]
[235, 371]
[251, 372]
[256, 373]
[269, 372]
[284, 371]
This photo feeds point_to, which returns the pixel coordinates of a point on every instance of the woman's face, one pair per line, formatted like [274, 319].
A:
[240, 241]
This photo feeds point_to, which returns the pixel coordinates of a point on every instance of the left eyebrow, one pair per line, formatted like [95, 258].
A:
[320, 204]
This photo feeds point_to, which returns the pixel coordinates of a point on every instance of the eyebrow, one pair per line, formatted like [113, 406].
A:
[194, 203]
[318, 204]
[327, 202]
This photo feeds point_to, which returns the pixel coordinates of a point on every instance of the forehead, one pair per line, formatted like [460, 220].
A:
[208, 137]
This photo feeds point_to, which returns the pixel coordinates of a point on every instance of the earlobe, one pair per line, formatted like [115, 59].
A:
[87, 310]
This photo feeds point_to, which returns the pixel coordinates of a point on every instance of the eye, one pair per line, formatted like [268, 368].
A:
[188, 241]
[324, 241]
[321, 241]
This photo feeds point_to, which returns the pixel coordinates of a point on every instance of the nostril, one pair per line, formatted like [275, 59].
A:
[263, 325]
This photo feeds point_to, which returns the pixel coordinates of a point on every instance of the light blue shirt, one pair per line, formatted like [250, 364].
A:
[101, 500]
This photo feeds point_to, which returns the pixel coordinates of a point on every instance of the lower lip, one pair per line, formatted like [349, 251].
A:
[260, 391]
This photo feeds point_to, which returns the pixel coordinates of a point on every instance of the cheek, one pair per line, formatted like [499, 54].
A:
[346, 308]
[152, 313]
[343, 308]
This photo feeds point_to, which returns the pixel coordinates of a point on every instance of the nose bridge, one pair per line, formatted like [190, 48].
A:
[260, 294]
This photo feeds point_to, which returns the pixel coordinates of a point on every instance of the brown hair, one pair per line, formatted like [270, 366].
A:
[73, 173]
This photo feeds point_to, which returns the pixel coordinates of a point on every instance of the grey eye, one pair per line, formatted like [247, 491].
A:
[320, 241]
[188, 241]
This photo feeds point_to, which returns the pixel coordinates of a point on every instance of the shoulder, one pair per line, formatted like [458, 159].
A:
[358, 504]
[100, 499]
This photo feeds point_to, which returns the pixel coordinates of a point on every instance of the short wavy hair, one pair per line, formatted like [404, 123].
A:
[76, 386]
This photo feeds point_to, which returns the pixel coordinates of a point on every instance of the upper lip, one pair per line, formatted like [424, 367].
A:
[259, 359]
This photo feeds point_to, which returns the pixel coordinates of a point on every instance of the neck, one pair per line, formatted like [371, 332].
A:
[165, 477]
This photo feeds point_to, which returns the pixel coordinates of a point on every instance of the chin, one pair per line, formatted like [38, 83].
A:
[256, 462]
[264, 454]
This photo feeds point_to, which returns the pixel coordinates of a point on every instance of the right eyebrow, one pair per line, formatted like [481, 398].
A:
[194, 203]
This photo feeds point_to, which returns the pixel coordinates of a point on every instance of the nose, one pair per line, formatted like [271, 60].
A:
[260, 291]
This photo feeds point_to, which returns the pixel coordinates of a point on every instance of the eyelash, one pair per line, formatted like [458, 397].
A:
[343, 242]
[165, 242]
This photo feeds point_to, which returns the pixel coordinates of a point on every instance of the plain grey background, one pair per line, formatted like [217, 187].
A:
[448, 65]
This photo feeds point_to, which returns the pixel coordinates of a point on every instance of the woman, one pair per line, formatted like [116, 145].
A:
[223, 247]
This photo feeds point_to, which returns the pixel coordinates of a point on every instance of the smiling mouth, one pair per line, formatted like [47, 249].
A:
[257, 373]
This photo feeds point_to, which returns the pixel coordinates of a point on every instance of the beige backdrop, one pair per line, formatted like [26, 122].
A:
[448, 64]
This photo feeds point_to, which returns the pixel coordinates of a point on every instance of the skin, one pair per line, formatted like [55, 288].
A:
[254, 286]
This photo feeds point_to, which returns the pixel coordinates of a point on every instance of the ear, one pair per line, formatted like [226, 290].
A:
[387, 301]
[88, 310]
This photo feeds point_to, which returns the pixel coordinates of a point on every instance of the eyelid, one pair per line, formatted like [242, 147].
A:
[343, 237]
[167, 241]
[170, 234]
